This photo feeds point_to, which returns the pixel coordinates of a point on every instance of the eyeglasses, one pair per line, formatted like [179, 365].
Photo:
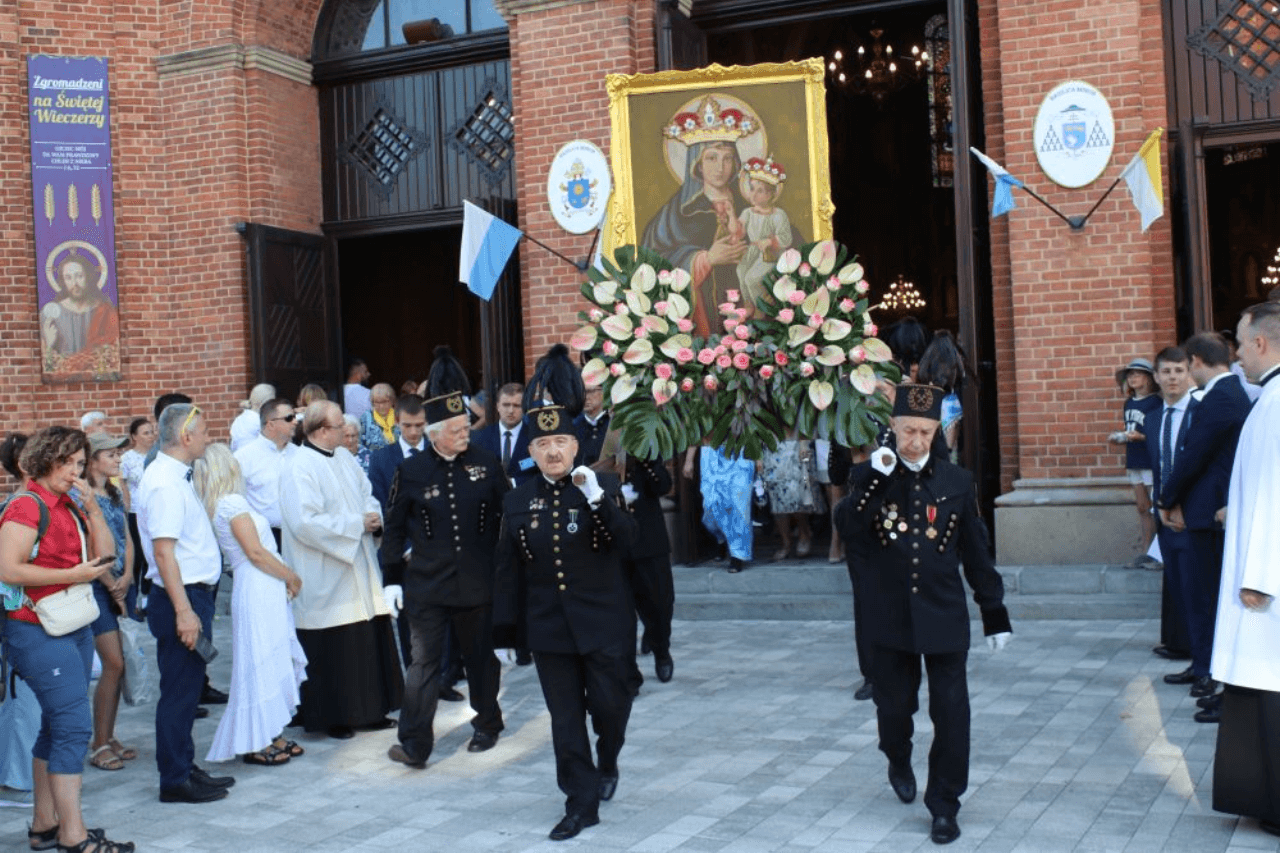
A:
[286, 418]
[191, 416]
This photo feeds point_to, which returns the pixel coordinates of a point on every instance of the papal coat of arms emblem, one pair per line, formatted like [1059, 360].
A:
[578, 186]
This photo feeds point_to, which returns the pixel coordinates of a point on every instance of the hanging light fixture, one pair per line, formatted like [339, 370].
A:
[1272, 278]
[877, 71]
[902, 296]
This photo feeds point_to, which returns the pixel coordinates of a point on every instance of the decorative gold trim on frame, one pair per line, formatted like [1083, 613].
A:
[812, 72]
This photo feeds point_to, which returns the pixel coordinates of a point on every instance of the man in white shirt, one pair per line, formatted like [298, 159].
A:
[248, 423]
[184, 565]
[263, 458]
[344, 622]
[355, 394]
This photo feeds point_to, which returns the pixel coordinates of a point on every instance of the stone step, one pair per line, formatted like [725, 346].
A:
[821, 591]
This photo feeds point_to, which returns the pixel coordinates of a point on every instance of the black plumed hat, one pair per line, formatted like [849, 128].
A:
[446, 385]
[918, 401]
[556, 381]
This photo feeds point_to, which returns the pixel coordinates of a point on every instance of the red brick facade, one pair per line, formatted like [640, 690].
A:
[213, 125]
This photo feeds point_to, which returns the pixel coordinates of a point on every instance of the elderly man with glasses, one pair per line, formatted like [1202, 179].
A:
[264, 457]
[330, 518]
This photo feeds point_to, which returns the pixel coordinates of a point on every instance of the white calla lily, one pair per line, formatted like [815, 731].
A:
[850, 273]
[639, 352]
[594, 373]
[644, 278]
[798, 334]
[818, 302]
[821, 393]
[822, 257]
[835, 330]
[877, 350]
[863, 379]
[623, 388]
[605, 292]
[584, 339]
[789, 261]
[617, 326]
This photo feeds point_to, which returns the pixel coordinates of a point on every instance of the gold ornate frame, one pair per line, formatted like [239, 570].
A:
[622, 229]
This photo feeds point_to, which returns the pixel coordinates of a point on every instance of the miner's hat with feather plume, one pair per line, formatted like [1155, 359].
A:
[554, 395]
[446, 386]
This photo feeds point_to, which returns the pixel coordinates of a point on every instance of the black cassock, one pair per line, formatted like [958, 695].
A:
[560, 591]
[911, 531]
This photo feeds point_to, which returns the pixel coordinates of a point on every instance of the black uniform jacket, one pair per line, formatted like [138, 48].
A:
[910, 574]
[559, 583]
[449, 511]
[651, 480]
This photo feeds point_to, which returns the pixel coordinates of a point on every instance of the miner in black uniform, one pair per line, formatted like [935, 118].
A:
[560, 590]
[913, 517]
[592, 425]
[648, 565]
[446, 509]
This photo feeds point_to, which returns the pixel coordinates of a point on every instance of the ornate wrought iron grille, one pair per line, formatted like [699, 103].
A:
[1244, 37]
[487, 136]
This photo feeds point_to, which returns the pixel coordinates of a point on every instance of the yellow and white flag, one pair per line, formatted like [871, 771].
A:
[1142, 177]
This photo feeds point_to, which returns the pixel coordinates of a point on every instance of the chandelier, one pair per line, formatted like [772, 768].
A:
[1272, 278]
[902, 296]
[876, 72]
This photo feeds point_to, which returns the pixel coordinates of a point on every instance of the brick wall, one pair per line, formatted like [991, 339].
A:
[557, 101]
[194, 154]
[1072, 307]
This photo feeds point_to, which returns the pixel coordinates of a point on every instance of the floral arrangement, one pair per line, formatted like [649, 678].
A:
[805, 356]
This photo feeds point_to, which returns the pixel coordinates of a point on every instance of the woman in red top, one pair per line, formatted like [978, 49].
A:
[57, 669]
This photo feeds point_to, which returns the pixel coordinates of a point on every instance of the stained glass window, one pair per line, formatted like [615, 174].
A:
[937, 37]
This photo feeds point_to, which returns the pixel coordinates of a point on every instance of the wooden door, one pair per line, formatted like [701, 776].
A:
[293, 310]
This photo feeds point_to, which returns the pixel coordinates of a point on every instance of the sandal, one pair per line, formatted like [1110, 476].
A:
[288, 746]
[104, 758]
[126, 753]
[100, 843]
[269, 757]
[44, 840]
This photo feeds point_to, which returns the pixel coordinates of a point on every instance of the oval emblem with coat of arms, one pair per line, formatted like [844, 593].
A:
[1074, 134]
[578, 186]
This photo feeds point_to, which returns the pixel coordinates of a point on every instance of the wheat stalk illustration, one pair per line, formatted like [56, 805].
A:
[95, 204]
[49, 209]
[73, 204]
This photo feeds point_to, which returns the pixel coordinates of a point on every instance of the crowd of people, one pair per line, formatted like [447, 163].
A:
[386, 549]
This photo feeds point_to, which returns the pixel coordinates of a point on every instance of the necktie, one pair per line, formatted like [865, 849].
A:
[506, 448]
[1166, 449]
[413, 451]
[190, 471]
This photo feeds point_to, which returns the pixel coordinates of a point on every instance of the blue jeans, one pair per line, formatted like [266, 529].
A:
[181, 681]
[57, 671]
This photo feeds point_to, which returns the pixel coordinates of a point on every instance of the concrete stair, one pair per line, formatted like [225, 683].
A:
[813, 590]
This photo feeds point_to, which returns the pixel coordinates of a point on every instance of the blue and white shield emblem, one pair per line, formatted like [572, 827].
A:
[579, 193]
[1074, 134]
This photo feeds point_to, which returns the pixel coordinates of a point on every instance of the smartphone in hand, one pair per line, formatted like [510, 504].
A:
[204, 648]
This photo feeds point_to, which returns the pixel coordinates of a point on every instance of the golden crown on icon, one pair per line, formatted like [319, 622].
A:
[710, 124]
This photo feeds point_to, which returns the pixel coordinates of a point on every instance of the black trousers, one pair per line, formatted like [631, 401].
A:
[1200, 582]
[573, 686]
[1246, 766]
[897, 698]
[428, 625]
[1175, 551]
[860, 643]
[655, 597]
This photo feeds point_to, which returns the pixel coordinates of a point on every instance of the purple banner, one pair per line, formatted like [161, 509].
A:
[74, 218]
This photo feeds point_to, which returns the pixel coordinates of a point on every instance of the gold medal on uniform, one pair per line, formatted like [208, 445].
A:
[533, 525]
[932, 513]
[572, 526]
[888, 525]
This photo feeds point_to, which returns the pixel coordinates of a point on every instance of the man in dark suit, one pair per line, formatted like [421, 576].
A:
[592, 426]
[1194, 491]
[1166, 433]
[560, 590]
[446, 503]
[913, 517]
[508, 439]
[412, 420]
[648, 565]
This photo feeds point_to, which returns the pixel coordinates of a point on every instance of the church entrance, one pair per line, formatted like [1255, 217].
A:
[1243, 217]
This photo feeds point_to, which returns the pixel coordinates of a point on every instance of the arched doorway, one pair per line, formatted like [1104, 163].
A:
[415, 117]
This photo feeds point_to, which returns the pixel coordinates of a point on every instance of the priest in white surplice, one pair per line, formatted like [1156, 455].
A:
[330, 518]
[1246, 648]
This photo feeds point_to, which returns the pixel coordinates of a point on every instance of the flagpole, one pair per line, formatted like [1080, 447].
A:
[1098, 204]
[1055, 210]
[580, 266]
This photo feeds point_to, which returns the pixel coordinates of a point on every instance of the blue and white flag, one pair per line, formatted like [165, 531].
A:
[487, 244]
[1003, 201]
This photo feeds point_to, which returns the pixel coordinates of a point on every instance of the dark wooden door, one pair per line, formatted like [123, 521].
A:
[293, 310]
[682, 45]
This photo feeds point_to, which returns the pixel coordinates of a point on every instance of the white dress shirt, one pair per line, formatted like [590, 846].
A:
[405, 447]
[261, 463]
[356, 400]
[168, 508]
[245, 428]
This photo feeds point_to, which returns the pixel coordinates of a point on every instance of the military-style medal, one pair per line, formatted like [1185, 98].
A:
[902, 527]
[932, 514]
[533, 525]
[572, 526]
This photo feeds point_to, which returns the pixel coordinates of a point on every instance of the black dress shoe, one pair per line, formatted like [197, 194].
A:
[204, 778]
[663, 666]
[448, 694]
[570, 825]
[1268, 826]
[399, 753]
[1184, 677]
[1207, 702]
[341, 732]
[482, 741]
[1209, 715]
[608, 785]
[201, 712]
[192, 791]
[903, 781]
[524, 659]
[1203, 687]
[864, 691]
[945, 829]
[212, 696]
[379, 725]
[1170, 654]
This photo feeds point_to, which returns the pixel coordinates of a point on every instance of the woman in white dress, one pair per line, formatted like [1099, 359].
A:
[267, 663]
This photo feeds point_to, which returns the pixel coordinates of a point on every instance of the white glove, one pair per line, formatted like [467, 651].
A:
[393, 595]
[999, 641]
[884, 460]
[509, 655]
[585, 479]
[629, 493]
